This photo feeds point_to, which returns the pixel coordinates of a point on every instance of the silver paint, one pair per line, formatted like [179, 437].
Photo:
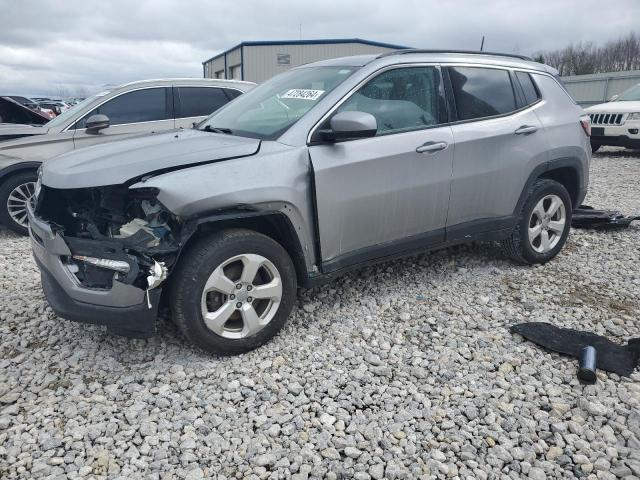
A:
[368, 191]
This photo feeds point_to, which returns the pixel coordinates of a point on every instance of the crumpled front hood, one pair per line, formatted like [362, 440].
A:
[614, 107]
[118, 162]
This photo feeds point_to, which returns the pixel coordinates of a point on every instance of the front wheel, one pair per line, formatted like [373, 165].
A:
[233, 291]
[543, 224]
[15, 194]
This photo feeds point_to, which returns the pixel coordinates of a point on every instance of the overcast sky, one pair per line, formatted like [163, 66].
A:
[46, 45]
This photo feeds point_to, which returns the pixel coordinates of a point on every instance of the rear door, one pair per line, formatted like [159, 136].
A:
[146, 110]
[193, 104]
[499, 141]
[380, 195]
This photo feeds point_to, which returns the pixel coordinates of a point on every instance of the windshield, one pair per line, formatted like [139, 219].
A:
[633, 94]
[268, 110]
[68, 115]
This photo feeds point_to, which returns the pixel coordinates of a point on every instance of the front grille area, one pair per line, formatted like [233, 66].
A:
[606, 118]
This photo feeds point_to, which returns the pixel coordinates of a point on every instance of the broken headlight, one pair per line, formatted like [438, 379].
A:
[114, 233]
[116, 265]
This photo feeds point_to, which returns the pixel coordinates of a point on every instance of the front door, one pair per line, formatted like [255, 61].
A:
[148, 110]
[381, 195]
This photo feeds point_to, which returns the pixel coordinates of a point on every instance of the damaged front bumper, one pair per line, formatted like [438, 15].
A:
[126, 309]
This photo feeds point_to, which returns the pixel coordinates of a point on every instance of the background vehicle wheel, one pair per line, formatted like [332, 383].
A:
[15, 193]
[543, 224]
[233, 291]
[595, 147]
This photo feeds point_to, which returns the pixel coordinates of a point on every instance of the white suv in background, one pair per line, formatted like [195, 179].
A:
[617, 123]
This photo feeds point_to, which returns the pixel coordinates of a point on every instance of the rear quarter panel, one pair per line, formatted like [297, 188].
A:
[560, 117]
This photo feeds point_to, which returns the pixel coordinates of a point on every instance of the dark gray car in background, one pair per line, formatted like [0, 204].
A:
[136, 108]
[321, 169]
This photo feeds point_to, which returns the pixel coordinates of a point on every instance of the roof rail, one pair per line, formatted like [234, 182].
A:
[466, 52]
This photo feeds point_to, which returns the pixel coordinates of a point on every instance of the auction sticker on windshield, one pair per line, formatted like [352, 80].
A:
[303, 94]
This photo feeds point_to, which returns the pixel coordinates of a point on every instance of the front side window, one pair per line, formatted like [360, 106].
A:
[401, 99]
[271, 108]
[481, 92]
[200, 101]
[147, 105]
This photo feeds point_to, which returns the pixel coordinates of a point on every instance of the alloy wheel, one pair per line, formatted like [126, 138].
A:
[547, 223]
[241, 296]
[18, 200]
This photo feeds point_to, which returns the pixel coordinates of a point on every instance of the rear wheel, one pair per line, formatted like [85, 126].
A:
[233, 291]
[543, 224]
[15, 194]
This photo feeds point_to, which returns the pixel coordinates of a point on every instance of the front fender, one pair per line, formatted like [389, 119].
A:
[11, 165]
[278, 179]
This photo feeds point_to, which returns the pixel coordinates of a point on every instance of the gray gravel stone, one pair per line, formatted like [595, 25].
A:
[401, 370]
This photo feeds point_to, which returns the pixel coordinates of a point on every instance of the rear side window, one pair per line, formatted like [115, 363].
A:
[481, 92]
[529, 89]
[200, 101]
[147, 105]
[401, 99]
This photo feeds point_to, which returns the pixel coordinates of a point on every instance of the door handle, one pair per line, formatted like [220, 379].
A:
[526, 130]
[431, 147]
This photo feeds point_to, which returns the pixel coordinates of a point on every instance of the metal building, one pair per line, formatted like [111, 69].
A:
[258, 61]
[597, 88]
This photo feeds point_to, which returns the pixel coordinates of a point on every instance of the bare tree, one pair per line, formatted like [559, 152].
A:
[583, 58]
[61, 92]
[80, 92]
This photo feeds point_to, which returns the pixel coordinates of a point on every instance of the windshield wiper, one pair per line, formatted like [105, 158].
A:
[209, 128]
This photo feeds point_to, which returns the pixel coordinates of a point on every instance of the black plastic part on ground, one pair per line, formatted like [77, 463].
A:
[587, 217]
[612, 357]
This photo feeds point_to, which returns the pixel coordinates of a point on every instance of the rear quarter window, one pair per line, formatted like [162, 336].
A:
[481, 92]
[529, 89]
[200, 101]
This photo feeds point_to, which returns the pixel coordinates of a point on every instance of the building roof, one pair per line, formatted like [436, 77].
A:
[327, 41]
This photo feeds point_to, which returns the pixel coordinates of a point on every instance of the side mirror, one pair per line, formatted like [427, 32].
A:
[350, 126]
[97, 122]
[613, 98]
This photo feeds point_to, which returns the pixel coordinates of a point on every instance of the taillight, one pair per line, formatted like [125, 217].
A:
[585, 121]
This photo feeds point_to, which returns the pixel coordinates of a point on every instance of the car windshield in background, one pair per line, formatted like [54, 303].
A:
[67, 115]
[631, 95]
[270, 109]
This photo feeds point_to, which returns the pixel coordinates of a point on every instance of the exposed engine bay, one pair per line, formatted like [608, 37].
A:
[113, 232]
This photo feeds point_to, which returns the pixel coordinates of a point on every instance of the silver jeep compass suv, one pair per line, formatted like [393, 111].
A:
[321, 169]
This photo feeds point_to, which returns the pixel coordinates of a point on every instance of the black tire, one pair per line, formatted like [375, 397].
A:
[517, 246]
[195, 267]
[6, 188]
[595, 147]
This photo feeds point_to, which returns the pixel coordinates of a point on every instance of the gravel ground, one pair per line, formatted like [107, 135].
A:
[404, 370]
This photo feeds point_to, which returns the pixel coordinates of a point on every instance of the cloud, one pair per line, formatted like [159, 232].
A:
[46, 45]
